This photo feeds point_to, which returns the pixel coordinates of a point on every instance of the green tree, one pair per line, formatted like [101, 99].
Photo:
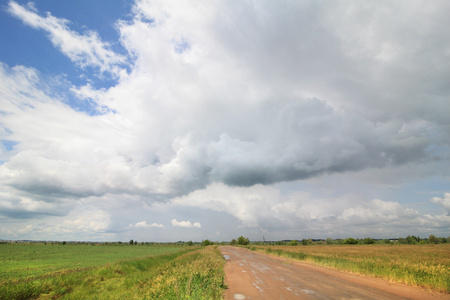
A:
[190, 243]
[368, 241]
[233, 242]
[329, 241]
[411, 240]
[242, 240]
[131, 242]
[433, 240]
[207, 243]
[351, 241]
[293, 243]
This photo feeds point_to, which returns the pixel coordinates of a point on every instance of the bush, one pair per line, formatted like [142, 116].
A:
[233, 242]
[293, 243]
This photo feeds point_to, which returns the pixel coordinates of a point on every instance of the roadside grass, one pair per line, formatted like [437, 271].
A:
[183, 273]
[426, 266]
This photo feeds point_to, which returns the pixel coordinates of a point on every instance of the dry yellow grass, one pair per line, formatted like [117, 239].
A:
[417, 265]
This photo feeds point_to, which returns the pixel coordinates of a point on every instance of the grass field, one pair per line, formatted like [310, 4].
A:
[416, 265]
[109, 272]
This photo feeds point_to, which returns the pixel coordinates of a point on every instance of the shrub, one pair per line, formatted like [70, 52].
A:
[293, 243]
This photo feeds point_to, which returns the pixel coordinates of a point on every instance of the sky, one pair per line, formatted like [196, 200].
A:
[192, 120]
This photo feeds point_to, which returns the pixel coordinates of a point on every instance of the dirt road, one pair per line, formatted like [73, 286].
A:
[251, 275]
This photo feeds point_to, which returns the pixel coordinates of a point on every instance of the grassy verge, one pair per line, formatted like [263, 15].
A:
[187, 274]
[416, 265]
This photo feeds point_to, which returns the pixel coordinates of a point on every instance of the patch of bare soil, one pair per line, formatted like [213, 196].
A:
[251, 275]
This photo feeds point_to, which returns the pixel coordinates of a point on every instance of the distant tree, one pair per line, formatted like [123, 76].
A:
[329, 241]
[368, 241]
[412, 240]
[233, 242]
[190, 243]
[131, 242]
[433, 240]
[351, 241]
[207, 243]
[293, 243]
[402, 241]
[243, 241]
[304, 242]
[64, 243]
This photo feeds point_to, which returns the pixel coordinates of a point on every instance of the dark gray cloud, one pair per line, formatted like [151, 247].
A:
[235, 95]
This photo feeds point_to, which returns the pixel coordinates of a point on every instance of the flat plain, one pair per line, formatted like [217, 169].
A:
[41, 271]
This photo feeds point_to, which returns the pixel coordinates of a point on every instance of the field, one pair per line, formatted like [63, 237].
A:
[109, 272]
[427, 266]
[70, 271]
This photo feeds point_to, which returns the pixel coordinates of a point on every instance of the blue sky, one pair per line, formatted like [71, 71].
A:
[170, 120]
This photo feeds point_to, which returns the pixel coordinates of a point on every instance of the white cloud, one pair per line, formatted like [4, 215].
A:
[378, 212]
[185, 224]
[89, 220]
[302, 214]
[444, 202]
[226, 102]
[144, 224]
[83, 49]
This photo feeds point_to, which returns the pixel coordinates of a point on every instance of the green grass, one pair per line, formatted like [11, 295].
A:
[110, 272]
[19, 261]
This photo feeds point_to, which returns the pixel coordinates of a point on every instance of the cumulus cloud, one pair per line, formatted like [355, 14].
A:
[378, 212]
[444, 202]
[16, 205]
[185, 224]
[144, 224]
[83, 49]
[300, 213]
[191, 121]
[223, 102]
